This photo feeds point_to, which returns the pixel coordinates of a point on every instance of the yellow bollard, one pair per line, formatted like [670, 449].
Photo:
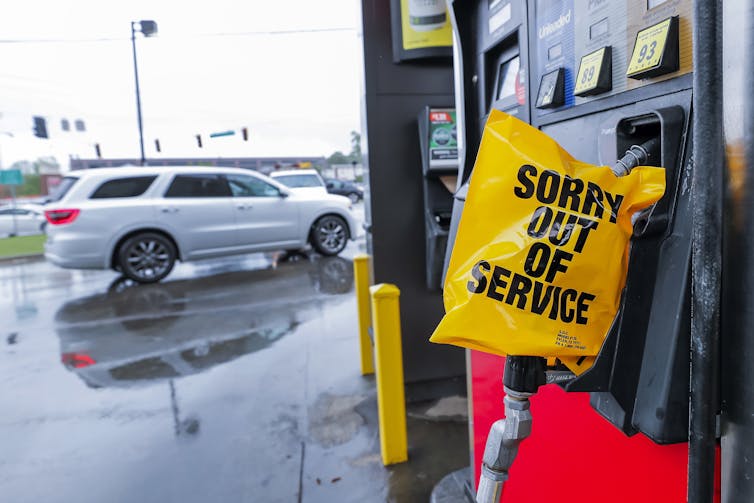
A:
[362, 280]
[391, 405]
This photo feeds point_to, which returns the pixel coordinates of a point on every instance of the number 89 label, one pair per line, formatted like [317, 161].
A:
[650, 44]
[589, 71]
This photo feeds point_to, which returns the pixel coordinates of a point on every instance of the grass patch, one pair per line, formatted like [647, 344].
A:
[22, 245]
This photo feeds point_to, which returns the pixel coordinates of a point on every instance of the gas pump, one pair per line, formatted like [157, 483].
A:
[610, 81]
[490, 61]
[437, 138]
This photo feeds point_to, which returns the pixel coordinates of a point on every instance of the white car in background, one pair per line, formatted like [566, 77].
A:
[301, 181]
[140, 220]
[29, 219]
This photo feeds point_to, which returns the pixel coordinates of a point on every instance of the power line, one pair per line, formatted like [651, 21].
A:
[59, 40]
[26, 77]
[277, 32]
[195, 35]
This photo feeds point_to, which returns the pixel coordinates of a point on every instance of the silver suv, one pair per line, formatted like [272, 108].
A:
[140, 220]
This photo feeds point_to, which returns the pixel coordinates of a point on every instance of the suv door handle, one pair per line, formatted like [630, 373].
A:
[169, 210]
[244, 206]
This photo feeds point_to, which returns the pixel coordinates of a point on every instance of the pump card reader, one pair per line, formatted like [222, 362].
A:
[655, 50]
[595, 74]
[551, 92]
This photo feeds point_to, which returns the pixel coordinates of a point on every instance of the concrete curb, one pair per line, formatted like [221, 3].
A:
[29, 257]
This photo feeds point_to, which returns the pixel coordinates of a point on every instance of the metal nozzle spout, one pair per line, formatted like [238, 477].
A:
[637, 155]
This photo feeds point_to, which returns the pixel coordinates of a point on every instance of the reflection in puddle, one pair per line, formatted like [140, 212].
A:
[134, 335]
[182, 427]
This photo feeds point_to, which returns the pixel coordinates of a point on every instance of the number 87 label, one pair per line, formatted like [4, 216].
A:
[649, 48]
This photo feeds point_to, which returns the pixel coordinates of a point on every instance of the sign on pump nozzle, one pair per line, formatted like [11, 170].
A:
[541, 254]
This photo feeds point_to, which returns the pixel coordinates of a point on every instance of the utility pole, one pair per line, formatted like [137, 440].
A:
[148, 28]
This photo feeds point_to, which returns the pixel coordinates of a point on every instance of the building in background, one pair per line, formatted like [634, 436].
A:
[264, 165]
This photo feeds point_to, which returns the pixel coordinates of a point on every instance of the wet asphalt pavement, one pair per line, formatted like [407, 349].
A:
[232, 380]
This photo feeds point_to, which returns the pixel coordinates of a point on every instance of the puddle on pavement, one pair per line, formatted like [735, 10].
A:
[334, 420]
[133, 334]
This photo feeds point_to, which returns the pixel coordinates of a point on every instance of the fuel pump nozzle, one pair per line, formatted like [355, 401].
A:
[522, 377]
[637, 155]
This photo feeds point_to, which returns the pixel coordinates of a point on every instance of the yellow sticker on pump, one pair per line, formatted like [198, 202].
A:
[589, 71]
[649, 47]
[541, 253]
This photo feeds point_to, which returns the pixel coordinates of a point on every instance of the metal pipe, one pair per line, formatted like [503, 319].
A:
[637, 155]
[502, 446]
[522, 378]
[706, 258]
[138, 95]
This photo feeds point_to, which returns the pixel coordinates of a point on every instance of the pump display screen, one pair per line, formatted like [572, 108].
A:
[555, 52]
[599, 29]
[506, 79]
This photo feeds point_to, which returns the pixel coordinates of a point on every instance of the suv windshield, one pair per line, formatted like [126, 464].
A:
[296, 181]
[62, 189]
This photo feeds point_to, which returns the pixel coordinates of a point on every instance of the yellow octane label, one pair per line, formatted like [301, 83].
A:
[589, 71]
[650, 44]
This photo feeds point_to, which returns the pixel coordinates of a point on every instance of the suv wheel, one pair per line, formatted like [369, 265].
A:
[147, 257]
[354, 197]
[329, 235]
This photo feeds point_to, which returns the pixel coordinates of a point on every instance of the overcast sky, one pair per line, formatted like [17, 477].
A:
[289, 71]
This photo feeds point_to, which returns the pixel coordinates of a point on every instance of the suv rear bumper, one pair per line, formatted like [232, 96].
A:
[73, 255]
[353, 229]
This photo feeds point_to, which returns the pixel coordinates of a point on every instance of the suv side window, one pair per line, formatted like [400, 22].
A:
[123, 187]
[62, 189]
[198, 185]
[251, 186]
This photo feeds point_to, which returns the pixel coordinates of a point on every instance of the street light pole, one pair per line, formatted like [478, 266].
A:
[147, 28]
[138, 94]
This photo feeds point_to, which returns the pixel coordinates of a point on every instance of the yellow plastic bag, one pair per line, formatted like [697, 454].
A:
[541, 253]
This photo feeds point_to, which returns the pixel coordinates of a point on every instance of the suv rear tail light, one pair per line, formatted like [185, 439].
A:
[59, 217]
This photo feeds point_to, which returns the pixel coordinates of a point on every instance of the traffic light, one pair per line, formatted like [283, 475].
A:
[199, 140]
[40, 127]
[245, 134]
[147, 27]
